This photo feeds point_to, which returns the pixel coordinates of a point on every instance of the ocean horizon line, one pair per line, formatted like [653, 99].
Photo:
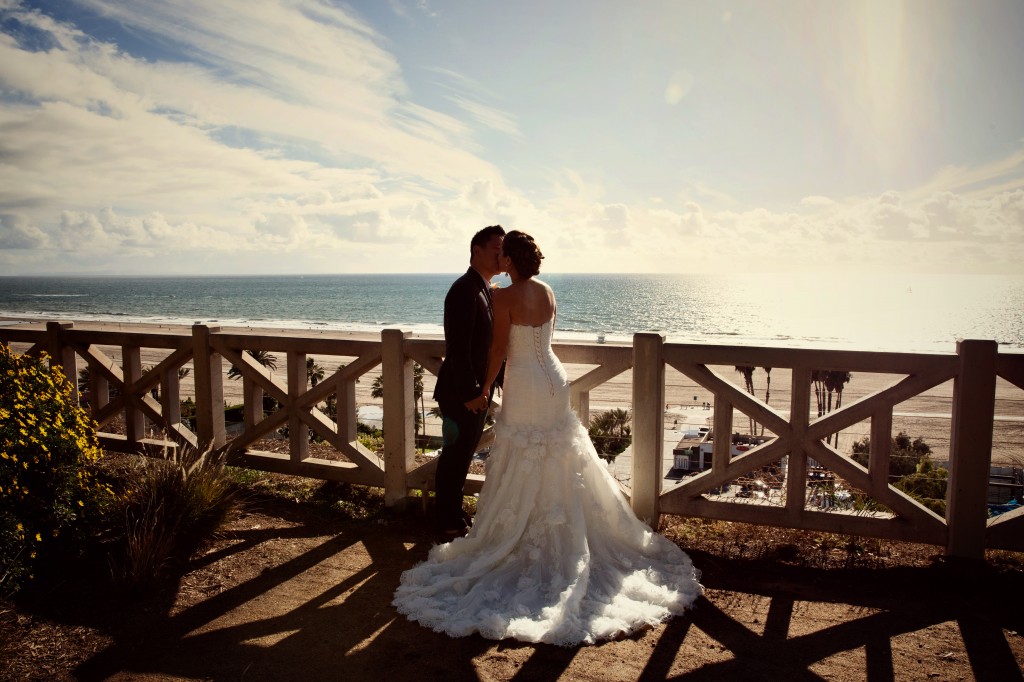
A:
[903, 313]
[842, 274]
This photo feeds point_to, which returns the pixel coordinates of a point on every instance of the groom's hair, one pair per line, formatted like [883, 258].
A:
[483, 236]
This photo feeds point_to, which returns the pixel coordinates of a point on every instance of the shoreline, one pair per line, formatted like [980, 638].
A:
[925, 415]
[155, 327]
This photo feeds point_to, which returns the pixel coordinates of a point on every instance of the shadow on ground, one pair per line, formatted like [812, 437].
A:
[285, 599]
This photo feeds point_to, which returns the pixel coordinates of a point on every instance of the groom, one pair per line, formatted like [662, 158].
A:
[459, 391]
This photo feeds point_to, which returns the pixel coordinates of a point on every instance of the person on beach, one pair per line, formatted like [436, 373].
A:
[555, 553]
[461, 392]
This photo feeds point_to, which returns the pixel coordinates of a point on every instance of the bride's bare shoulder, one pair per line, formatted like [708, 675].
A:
[536, 282]
[548, 290]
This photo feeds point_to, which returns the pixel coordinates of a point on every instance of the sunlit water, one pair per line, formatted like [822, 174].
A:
[890, 312]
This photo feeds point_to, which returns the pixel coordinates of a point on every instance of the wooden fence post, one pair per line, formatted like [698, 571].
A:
[209, 381]
[580, 403]
[298, 382]
[399, 416]
[345, 416]
[721, 448]
[648, 429]
[62, 355]
[970, 448]
[796, 460]
[134, 420]
[252, 402]
[170, 398]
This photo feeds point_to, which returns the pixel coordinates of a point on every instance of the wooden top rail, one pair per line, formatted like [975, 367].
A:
[806, 358]
[310, 345]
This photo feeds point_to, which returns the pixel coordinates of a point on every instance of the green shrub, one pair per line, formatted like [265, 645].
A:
[904, 455]
[371, 437]
[610, 432]
[927, 485]
[49, 490]
[166, 509]
[910, 461]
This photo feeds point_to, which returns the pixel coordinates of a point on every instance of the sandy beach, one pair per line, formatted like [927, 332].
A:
[926, 415]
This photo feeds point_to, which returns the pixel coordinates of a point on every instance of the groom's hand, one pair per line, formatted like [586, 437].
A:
[477, 404]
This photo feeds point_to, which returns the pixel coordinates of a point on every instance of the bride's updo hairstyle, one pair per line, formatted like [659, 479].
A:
[523, 251]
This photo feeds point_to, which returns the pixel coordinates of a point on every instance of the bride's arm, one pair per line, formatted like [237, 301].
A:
[499, 338]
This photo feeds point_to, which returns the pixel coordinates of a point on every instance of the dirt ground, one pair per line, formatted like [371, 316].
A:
[293, 592]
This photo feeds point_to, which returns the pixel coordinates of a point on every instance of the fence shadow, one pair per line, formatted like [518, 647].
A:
[321, 611]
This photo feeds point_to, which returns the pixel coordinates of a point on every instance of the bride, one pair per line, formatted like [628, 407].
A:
[555, 553]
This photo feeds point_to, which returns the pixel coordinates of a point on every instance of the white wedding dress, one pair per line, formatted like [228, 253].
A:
[555, 553]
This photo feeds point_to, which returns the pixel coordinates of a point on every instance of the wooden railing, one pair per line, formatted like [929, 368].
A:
[965, 530]
[153, 396]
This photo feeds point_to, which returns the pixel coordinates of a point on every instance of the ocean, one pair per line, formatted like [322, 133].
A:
[898, 312]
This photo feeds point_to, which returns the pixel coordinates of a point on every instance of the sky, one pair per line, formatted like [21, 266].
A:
[311, 136]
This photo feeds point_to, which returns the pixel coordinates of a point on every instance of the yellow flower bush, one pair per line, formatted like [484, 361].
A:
[48, 450]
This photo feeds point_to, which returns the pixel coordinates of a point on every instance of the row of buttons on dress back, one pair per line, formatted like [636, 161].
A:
[539, 352]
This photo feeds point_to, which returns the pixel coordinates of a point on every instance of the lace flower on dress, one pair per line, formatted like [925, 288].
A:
[526, 583]
[507, 517]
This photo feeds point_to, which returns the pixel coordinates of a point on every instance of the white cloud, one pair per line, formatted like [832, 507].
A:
[997, 219]
[489, 116]
[611, 225]
[82, 232]
[1001, 175]
[143, 236]
[284, 103]
[270, 131]
[16, 232]
[282, 228]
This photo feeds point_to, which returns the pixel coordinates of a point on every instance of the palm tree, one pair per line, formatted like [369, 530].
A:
[377, 391]
[611, 432]
[269, 361]
[620, 421]
[314, 372]
[417, 392]
[826, 383]
[818, 380]
[767, 389]
[261, 356]
[834, 382]
[748, 379]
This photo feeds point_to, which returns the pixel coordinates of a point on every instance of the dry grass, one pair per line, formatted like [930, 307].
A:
[791, 546]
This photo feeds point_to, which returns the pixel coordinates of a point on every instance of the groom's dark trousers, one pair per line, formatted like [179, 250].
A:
[461, 430]
[468, 323]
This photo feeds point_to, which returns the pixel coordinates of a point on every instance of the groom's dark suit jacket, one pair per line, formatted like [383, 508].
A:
[468, 326]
